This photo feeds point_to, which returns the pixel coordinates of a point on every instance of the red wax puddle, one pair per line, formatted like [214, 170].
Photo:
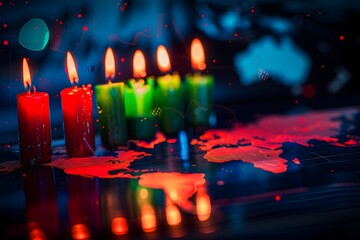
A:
[178, 187]
[277, 198]
[296, 161]
[261, 140]
[9, 166]
[171, 140]
[99, 166]
[266, 159]
[159, 138]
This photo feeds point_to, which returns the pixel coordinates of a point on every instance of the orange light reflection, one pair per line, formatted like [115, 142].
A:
[173, 216]
[203, 204]
[119, 226]
[148, 218]
[80, 231]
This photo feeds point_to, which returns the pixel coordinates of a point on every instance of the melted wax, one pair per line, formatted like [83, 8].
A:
[260, 142]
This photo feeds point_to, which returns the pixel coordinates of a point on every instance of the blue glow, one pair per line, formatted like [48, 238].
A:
[184, 148]
[221, 26]
[229, 20]
[277, 24]
[34, 35]
[283, 61]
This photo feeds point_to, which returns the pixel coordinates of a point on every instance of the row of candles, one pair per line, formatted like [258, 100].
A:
[126, 111]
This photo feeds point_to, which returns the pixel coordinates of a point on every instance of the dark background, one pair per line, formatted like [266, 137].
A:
[267, 51]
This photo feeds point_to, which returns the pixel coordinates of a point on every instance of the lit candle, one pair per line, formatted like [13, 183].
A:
[199, 88]
[169, 96]
[111, 109]
[77, 113]
[139, 101]
[34, 123]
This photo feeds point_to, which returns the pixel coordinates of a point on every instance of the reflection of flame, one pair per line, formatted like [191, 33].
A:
[119, 226]
[80, 231]
[178, 187]
[163, 59]
[203, 205]
[26, 74]
[139, 64]
[144, 193]
[109, 64]
[71, 68]
[173, 216]
[197, 55]
[148, 218]
[35, 233]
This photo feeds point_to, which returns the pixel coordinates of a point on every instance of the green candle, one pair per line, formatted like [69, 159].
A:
[139, 102]
[169, 96]
[199, 89]
[199, 98]
[111, 109]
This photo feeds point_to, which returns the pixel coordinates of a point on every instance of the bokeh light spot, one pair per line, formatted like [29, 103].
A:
[309, 91]
[34, 35]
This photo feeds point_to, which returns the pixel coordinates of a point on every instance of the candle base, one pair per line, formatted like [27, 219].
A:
[199, 116]
[141, 128]
[171, 122]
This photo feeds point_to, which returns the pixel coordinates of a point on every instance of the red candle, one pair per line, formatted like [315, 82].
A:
[77, 114]
[34, 123]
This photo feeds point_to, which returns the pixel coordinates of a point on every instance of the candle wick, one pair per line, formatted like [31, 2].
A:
[109, 81]
[28, 87]
[74, 82]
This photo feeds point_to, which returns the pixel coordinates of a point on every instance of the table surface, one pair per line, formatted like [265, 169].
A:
[274, 176]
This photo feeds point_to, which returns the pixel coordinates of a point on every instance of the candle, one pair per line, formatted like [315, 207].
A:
[169, 96]
[139, 101]
[111, 109]
[199, 88]
[76, 105]
[34, 123]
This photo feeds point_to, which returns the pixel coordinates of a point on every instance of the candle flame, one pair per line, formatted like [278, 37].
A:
[109, 64]
[26, 75]
[197, 55]
[163, 59]
[139, 64]
[71, 68]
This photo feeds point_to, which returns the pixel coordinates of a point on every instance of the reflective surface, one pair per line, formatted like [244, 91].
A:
[262, 183]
